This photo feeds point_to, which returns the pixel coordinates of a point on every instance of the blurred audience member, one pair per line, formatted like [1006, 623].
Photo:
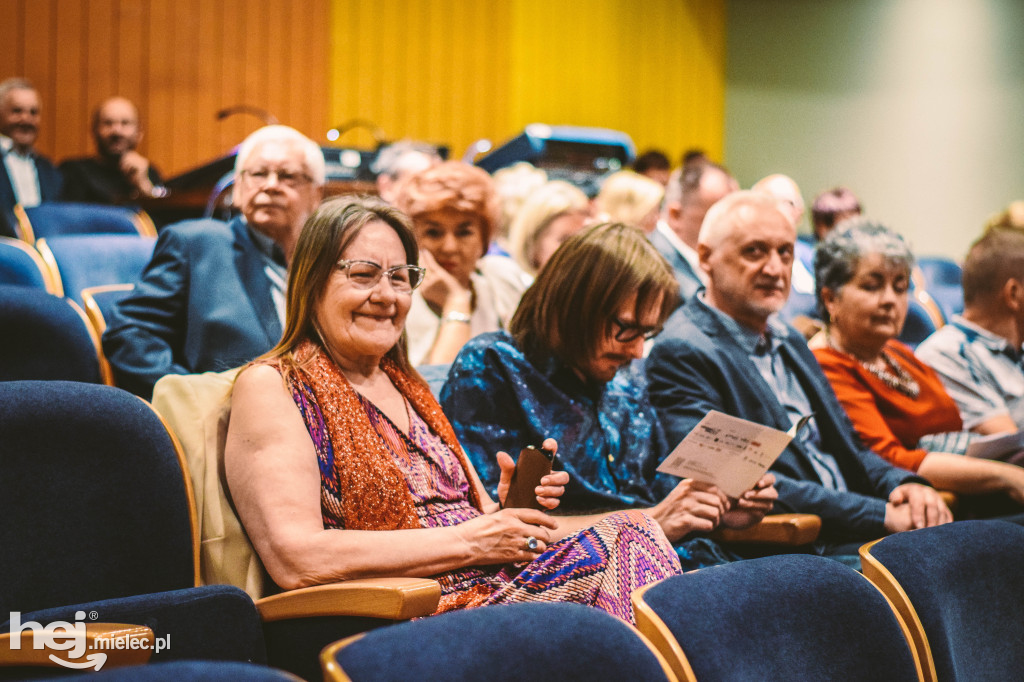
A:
[630, 198]
[26, 177]
[701, 183]
[118, 174]
[1011, 216]
[831, 208]
[514, 184]
[552, 214]
[454, 208]
[563, 370]
[213, 296]
[655, 165]
[978, 354]
[897, 403]
[400, 160]
[787, 193]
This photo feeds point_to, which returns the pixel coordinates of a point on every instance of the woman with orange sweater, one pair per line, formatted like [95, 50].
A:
[897, 404]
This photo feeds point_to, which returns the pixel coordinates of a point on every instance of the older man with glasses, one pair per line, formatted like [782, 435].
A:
[213, 295]
[565, 370]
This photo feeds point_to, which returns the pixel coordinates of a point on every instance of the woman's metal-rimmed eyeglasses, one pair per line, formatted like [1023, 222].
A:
[364, 274]
[627, 332]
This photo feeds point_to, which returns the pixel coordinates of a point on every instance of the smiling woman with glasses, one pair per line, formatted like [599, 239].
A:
[342, 465]
[566, 368]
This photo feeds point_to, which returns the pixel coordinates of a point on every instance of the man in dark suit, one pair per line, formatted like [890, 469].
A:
[118, 174]
[213, 295]
[688, 196]
[26, 177]
[726, 350]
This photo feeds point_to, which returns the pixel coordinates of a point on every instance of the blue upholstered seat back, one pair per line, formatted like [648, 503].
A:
[96, 259]
[92, 497]
[535, 641]
[18, 265]
[786, 617]
[943, 280]
[918, 325]
[964, 581]
[43, 337]
[54, 218]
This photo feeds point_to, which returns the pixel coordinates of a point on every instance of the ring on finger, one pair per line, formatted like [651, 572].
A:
[532, 543]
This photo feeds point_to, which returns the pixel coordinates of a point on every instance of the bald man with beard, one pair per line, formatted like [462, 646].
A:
[117, 174]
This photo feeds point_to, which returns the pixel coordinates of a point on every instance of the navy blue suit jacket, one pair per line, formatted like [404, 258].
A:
[689, 282]
[204, 304]
[50, 184]
[696, 366]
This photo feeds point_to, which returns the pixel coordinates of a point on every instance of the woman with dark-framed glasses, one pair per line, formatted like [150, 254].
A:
[342, 465]
[565, 369]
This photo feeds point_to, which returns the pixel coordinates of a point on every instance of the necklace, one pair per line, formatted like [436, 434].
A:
[894, 376]
[886, 370]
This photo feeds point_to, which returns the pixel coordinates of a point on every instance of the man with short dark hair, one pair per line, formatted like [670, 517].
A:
[978, 354]
[26, 177]
[118, 174]
[688, 196]
[726, 350]
[565, 370]
[213, 295]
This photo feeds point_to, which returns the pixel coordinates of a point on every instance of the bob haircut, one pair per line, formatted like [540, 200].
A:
[994, 259]
[552, 201]
[323, 240]
[456, 185]
[569, 309]
[838, 255]
[627, 197]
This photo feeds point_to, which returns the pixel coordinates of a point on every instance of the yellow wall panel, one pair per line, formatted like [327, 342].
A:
[453, 71]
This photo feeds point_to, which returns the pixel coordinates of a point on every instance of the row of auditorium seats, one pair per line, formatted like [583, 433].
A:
[100, 518]
[58, 283]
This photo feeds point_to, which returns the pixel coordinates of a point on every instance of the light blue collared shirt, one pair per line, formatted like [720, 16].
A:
[763, 351]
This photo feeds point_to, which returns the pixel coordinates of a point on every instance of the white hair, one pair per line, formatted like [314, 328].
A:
[720, 220]
[315, 164]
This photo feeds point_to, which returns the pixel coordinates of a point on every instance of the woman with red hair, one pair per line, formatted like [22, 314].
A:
[454, 209]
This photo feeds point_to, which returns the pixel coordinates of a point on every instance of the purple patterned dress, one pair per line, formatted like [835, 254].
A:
[599, 566]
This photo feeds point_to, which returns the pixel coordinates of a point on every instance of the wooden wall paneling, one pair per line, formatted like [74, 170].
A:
[208, 39]
[257, 59]
[131, 78]
[12, 39]
[278, 64]
[392, 98]
[300, 89]
[186, 86]
[233, 130]
[315, 87]
[161, 63]
[99, 41]
[70, 106]
[39, 67]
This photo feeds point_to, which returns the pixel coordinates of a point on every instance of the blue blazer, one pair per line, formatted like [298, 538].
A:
[204, 304]
[695, 366]
[50, 184]
[689, 282]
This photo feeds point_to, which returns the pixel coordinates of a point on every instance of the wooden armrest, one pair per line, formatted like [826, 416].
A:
[950, 499]
[776, 529]
[106, 645]
[392, 598]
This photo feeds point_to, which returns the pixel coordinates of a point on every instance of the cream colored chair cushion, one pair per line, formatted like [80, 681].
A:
[197, 408]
